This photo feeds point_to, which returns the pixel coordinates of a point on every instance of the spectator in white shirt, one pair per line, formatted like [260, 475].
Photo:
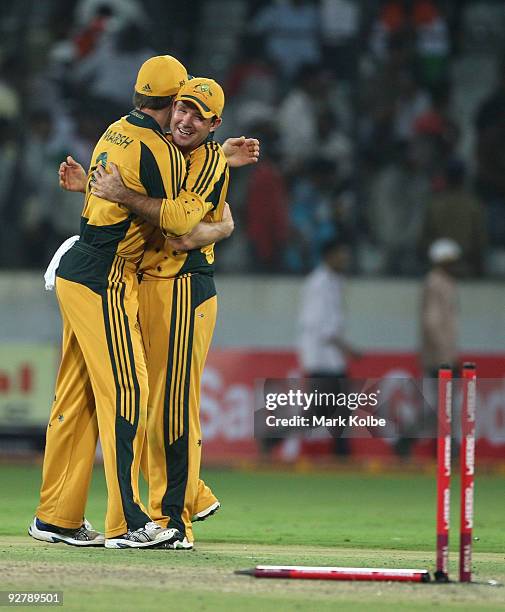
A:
[323, 349]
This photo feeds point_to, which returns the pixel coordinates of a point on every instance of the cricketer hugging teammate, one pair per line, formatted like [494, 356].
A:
[138, 305]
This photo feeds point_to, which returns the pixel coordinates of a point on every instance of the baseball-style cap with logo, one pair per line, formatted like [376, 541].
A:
[162, 75]
[206, 94]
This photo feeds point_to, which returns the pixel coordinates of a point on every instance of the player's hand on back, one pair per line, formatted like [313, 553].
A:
[241, 151]
[108, 185]
[72, 176]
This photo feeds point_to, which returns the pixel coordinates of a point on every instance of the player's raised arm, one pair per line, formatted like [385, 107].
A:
[72, 176]
[175, 217]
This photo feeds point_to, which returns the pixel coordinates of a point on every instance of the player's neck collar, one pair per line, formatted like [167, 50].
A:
[137, 117]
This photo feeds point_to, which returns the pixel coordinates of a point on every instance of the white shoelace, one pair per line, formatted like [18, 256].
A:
[151, 525]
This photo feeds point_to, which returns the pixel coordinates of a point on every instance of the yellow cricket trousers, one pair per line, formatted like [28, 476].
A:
[101, 388]
[177, 317]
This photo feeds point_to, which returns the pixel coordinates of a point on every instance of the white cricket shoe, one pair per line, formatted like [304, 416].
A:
[205, 514]
[151, 534]
[180, 544]
[85, 535]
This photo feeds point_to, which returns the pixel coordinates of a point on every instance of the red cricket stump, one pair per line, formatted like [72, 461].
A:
[443, 472]
[337, 573]
[467, 466]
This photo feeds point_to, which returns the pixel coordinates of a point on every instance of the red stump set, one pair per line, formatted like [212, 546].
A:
[467, 469]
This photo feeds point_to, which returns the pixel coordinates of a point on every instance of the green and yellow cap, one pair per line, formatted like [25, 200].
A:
[162, 75]
[204, 93]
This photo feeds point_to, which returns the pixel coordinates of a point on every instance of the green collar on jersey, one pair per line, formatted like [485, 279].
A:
[137, 117]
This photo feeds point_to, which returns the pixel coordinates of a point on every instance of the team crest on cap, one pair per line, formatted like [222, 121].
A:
[203, 88]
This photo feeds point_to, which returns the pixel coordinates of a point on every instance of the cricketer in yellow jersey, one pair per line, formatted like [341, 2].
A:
[174, 495]
[102, 385]
[178, 307]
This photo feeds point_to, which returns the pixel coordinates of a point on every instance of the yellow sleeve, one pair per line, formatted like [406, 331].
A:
[179, 216]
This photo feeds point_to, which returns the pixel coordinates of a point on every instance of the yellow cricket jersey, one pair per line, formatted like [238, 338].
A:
[207, 178]
[150, 164]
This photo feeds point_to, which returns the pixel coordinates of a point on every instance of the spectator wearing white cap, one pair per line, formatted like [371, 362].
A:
[439, 309]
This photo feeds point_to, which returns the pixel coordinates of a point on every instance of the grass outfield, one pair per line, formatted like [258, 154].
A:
[273, 518]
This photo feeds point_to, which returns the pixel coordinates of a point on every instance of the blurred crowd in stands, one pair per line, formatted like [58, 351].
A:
[379, 121]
